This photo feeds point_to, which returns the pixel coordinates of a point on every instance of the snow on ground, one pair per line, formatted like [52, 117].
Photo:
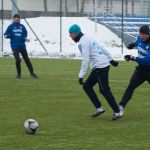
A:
[48, 31]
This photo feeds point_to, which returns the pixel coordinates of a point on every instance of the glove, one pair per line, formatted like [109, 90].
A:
[8, 36]
[81, 81]
[130, 46]
[129, 57]
[114, 63]
[27, 40]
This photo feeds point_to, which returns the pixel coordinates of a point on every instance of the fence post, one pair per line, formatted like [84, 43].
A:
[60, 25]
[122, 36]
[2, 28]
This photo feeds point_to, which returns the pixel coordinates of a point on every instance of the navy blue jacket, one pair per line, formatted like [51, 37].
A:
[143, 52]
[17, 34]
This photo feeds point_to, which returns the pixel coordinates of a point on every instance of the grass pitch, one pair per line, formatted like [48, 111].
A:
[57, 102]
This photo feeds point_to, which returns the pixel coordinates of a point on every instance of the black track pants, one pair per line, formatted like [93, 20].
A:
[100, 76]
[139, 76]
[24, 54]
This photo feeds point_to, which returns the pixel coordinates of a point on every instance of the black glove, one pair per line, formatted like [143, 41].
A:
[8, 36]
[129, 57]
[81, 81]
[114, 63]
[130, 46]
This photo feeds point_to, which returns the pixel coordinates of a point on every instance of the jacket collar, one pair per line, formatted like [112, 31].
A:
[77, 39]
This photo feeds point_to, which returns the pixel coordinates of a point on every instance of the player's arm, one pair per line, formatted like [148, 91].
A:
[134, 44]
[143, 61]
[7, 33]
[85, 62]
[109, 56]
[25, 33]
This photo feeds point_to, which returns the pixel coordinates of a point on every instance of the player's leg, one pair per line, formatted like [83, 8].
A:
[28, 62]
[105, 89]
[88, 88]
[18, 63]
[136, 80]
[147, 76]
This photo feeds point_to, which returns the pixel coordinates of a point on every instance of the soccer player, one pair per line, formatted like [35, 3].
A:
[142, 71]
[17, 34]
[99, 60]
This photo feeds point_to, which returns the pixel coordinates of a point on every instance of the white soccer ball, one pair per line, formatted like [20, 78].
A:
[31, 126]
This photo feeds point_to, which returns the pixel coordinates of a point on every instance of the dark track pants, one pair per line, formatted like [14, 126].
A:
[24, 54]
[139, 76]
[100, 76]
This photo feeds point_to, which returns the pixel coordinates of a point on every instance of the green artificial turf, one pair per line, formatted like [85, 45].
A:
[58, 103]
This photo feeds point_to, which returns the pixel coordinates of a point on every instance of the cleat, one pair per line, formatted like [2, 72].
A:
[34, 75]
[117, 115]
[98, 112]
[18, 77]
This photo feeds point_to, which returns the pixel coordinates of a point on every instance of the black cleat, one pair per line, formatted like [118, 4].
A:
[34, 75]
[18, 77]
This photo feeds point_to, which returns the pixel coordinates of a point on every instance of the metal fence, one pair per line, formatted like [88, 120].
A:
[123, 17]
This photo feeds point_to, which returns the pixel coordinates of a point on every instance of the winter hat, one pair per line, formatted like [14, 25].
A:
[16, 16]
[144, 29]
[75, 29]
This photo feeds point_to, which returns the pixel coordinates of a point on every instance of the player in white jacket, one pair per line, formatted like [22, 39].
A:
[99, 60]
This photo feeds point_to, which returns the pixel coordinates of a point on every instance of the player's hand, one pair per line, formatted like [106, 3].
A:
[129, 57]
[27, 40]
[130, 46]
[114, 63]
[8, 36]
[81, 81]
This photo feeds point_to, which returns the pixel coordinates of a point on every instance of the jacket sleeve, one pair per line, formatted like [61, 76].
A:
[25, 33]
[7, 33]
[134, 44]
[107, 54]
[143, 61]
[85, 59]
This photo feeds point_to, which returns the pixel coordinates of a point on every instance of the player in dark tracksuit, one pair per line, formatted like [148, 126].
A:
[99, 59]
[17, 34]
[142, 71]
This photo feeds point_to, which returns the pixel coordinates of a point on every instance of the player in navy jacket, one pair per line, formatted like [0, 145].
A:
[142, 71]
[17, 34]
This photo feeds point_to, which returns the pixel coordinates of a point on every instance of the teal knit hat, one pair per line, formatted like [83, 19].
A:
[75, 29]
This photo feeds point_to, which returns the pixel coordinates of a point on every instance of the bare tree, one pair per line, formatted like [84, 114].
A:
[45, 5]
[132, 5]
[111, 6]
[77, 4]
[99, 3]
[82, 7]
[66, 7]
[126, 7]
[148, 11]
[107, 6]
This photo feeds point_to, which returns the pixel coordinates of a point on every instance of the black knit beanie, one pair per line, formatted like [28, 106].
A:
[16, 16]
[144, 29]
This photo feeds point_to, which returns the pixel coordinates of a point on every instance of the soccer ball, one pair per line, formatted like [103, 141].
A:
[31, 126]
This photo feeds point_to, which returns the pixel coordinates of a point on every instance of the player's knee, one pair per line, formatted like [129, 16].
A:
[86, 87]
[18, 61]
[104, 91]
[132, 86]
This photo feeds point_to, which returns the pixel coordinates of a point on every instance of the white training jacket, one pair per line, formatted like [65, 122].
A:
[92, 53]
